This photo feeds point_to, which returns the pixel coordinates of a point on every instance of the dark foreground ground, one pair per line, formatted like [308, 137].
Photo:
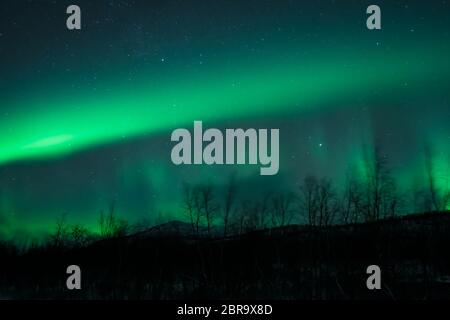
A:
[294, 262]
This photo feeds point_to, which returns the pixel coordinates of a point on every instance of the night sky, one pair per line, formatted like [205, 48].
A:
[86, 116]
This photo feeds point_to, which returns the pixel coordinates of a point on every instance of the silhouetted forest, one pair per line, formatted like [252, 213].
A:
[291, 262]
[312, 243]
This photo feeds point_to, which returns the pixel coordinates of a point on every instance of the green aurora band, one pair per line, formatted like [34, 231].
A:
[67, 124]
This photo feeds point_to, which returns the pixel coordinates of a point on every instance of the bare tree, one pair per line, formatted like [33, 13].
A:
[326, 203]
[308, 199]
[390, 201]
[243, 216]
[198, 208]
[282, 209]
[380, 188]
[229, 202]
[352, 200]
[208, 205]
[112, 226]
[79, 235]
[189, 204]
[59, 237]
[199, 203]
[260, 212]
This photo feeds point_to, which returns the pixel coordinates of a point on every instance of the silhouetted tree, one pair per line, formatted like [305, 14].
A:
[282, 209]
[252, 215]
[326, 203]
[352, 200]
[242, 216]
[308, 199]
[380, 190]
[59, 237]
[318, 201]
[79, 235]
[189, 203]
[229, 202]
[259, 213]
[110, 225]
[208, 205]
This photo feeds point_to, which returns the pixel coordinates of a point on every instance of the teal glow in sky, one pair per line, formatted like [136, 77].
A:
[65, 124]
[86, 116]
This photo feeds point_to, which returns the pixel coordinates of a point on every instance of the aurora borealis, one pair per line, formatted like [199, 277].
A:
[86, 116]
